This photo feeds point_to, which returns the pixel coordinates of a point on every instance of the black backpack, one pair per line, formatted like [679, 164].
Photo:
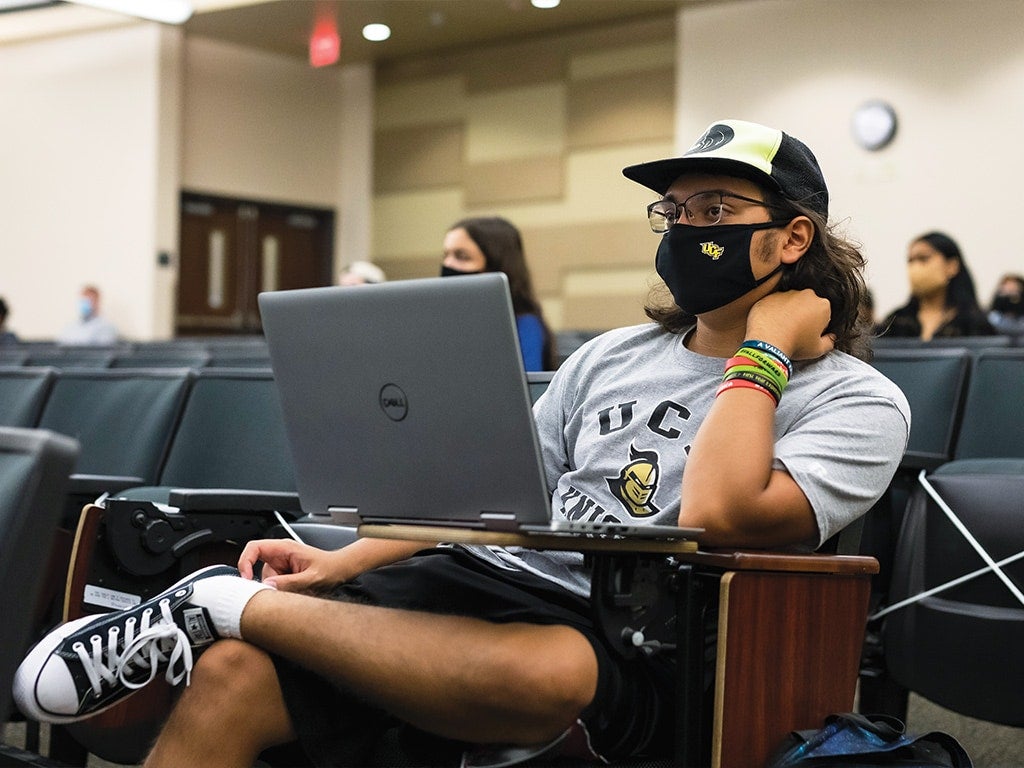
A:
[854, 741]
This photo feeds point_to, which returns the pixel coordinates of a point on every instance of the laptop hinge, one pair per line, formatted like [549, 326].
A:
[345, 515]
[499, 521]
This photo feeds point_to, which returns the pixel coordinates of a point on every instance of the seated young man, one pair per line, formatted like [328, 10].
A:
[742, 409]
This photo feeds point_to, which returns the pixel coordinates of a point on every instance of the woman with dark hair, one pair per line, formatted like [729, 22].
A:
[493, 244]
[942, 302]
[1006, 311]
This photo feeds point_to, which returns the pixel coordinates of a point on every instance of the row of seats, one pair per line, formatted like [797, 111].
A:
[228, 431]
[968, 342]
[204, 428]
[141, 432]
[964, 402]
[957, 648]
[181, 353]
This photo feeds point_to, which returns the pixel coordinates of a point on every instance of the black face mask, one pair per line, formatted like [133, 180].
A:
[707, 267]
[1005, 304]
[449, 272]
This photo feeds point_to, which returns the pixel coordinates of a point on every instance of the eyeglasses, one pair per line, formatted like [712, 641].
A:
[703, 209]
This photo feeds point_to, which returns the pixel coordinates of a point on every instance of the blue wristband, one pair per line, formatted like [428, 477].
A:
[764, 346]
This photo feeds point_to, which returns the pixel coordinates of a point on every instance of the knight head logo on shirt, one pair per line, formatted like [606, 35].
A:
[637, 483]
[712, 249]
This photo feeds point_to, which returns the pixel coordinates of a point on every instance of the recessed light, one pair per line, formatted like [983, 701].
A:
[545, 3]
[376, 32]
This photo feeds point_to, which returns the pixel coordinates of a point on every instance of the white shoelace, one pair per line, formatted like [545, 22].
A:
[160, 642]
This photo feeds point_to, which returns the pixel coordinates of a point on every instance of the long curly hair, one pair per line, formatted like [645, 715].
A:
[833, 267]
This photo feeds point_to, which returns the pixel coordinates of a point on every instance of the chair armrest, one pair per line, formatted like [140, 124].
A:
[728, 559]
[232, 500]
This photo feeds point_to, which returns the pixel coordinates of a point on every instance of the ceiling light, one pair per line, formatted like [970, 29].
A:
[166, 11]
[545, 3]
[376, 32]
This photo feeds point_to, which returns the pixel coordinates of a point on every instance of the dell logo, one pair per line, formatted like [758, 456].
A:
[393, 402]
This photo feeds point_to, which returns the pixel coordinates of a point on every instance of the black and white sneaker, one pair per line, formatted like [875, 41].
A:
[89, 664]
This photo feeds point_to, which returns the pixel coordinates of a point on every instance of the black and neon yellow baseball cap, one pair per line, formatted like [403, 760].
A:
[748, 150]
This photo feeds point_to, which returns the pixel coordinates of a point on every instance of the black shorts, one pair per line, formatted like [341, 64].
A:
[632, 711]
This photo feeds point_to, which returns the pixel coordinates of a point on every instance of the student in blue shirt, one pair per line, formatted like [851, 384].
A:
[493, 244]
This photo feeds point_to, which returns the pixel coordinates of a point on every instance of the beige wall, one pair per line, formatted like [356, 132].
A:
[952, 70]
[258, 125]
[80, 162]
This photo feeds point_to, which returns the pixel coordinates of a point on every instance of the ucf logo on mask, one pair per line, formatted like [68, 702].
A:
[637, 483]
[712, 249]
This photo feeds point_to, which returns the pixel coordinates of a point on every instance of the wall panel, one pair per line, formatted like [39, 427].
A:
[548, 125]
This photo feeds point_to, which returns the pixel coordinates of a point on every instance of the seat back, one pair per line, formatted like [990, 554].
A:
[161, 357]
[960, 648]
[993, 419]
[13, 356]
[252, 353]
[22, 394]
[34, 470]
[537, 382]
[231, 435]
[974, 343]
[72, 357]
[123, 419]
[934, 381]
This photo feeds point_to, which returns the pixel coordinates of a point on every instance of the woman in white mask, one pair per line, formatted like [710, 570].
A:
[942, 302]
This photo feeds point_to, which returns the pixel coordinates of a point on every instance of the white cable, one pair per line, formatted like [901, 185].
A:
[991, 565]
[287, 528]
[970, 537]
[943, 587]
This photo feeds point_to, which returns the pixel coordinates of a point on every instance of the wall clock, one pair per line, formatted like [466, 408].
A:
[874, 125]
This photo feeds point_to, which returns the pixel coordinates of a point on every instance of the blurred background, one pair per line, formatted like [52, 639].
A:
[184, 167]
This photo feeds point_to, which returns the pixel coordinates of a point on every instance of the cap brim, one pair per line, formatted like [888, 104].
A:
[659, 175]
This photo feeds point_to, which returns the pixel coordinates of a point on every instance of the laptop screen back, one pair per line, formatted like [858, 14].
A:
[407, 401]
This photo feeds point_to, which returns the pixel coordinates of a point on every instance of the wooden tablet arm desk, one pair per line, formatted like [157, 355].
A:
[790, 631]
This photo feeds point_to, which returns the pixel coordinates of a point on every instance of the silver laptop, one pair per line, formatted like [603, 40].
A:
[406, 402]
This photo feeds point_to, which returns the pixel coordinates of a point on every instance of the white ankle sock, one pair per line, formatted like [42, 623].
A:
[224, 598]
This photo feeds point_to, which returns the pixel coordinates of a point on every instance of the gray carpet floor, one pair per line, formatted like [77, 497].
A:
[989, 745]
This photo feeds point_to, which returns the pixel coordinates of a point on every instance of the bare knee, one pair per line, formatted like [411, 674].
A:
[230, 664]
[567, 674]
[232, 708]
[228, 677]
[555, 675]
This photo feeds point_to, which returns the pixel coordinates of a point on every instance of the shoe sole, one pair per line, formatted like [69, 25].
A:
[25, 682]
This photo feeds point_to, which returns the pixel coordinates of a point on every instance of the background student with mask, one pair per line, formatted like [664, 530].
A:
[90, 328]
[493, 244]
[943, 302]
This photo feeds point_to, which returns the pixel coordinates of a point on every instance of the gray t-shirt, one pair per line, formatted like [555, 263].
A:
[617, 421]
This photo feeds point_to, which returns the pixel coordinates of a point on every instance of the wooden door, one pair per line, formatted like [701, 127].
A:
[231, 250]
